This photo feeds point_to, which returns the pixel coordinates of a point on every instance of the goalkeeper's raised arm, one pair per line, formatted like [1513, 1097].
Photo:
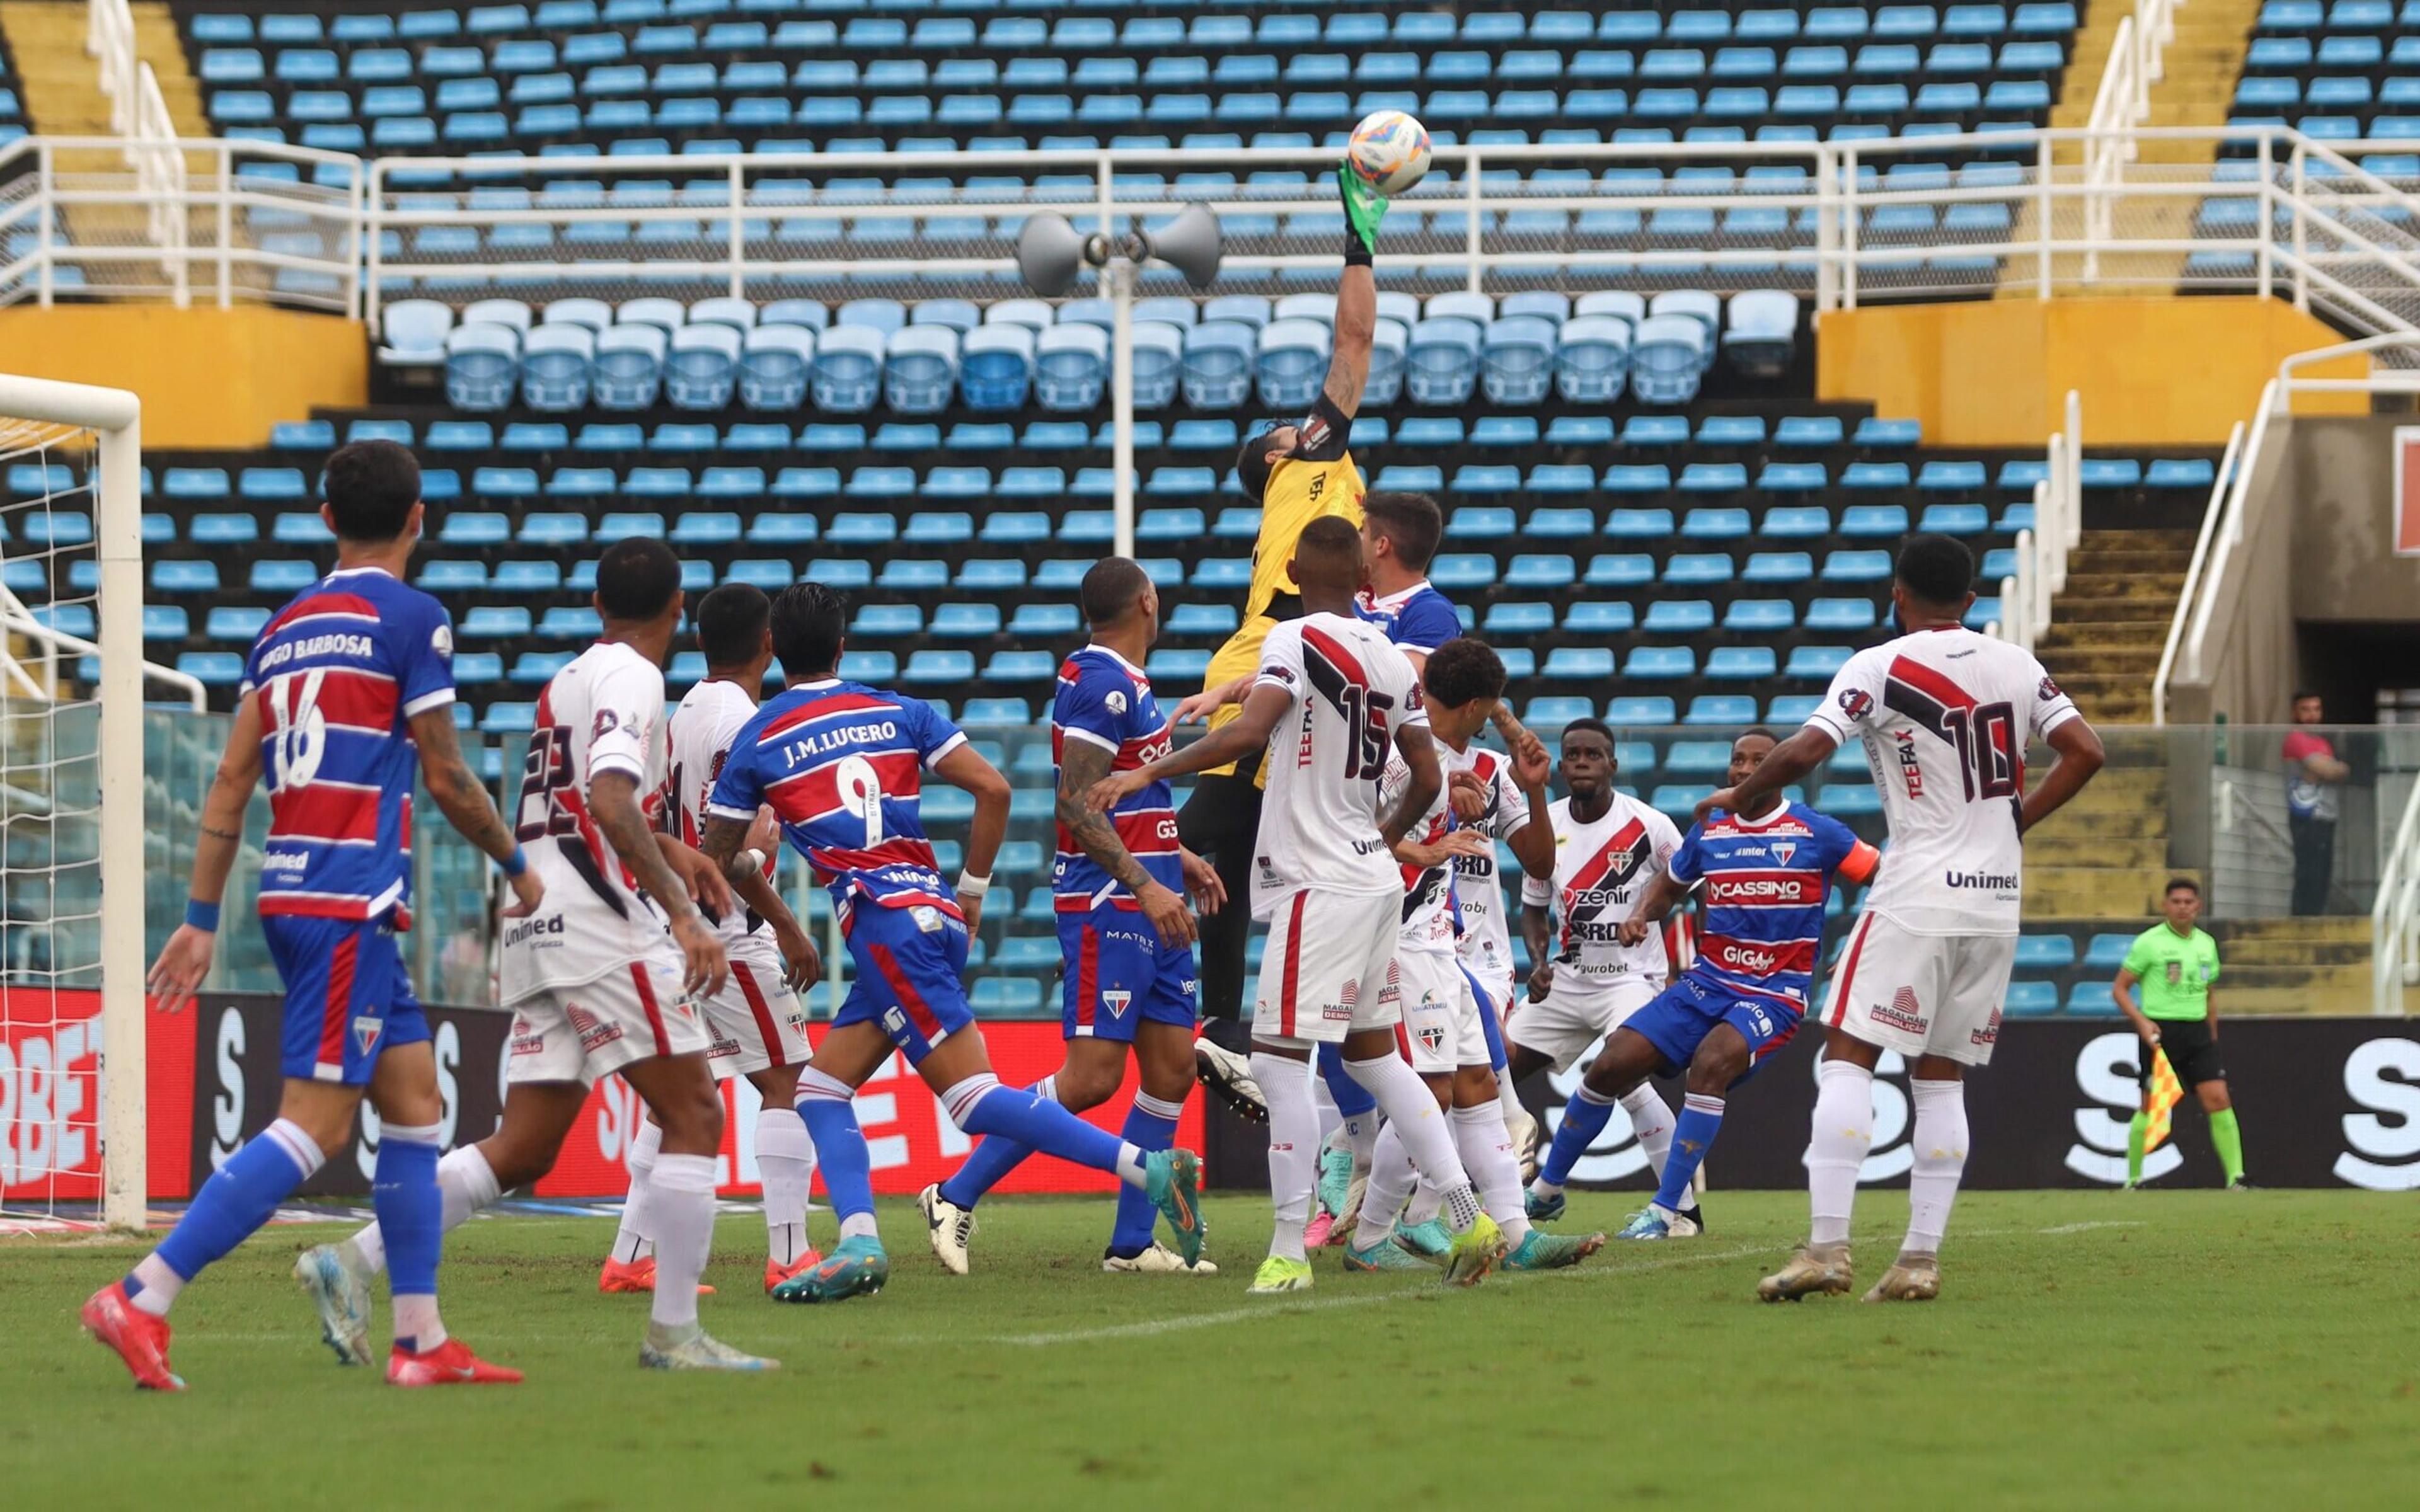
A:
[1296, 471]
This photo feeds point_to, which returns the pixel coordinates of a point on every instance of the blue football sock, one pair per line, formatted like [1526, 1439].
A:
[1701, 1118]
[984, 1170]
[840, 1158]
[982, 1107]
[238, 1198]
[1151, 1124]
[1493, 1028]
[1352, 1098]
[1584, 1117]
[992, 1159]
[410, 1214]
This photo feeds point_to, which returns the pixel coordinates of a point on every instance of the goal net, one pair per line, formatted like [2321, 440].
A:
[73, 1129]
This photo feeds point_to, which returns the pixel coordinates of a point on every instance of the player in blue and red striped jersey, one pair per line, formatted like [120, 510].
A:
[843, 765]
[1125, 934]
[1765, 881]
[347, 697]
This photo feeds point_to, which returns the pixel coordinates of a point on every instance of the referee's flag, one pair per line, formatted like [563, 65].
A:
[2166, 1092]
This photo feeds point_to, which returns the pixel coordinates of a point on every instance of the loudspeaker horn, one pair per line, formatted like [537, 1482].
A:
[1189, 243]
[1048, 254]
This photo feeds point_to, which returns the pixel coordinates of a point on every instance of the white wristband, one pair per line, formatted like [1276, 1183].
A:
[755, 858]
[973, 886]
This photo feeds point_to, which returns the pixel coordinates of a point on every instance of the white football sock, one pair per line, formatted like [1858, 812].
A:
[1843, 1132]
[160, 1284]
[465, 1183]
[1940, 1146]
[1293, 1147]
[415, 1319]
[786, 1164]
[681, 1206]
[1426, 1203]
[1420, 1124]
[636, 1239]
[1325, 1101]
[1486, 1153]
[1651, 1119]
[1359, 1134]
[1390, 1182]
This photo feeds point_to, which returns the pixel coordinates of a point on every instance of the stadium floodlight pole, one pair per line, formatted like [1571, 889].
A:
[114, 417]
[1049, 254]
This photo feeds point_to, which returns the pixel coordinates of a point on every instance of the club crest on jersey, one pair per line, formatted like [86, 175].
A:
[441, 641]
[366, 1033]
[1117, 1003]
[606, 722]
[1117, 702]
[1431, 1037]
[1783, 850]
[1856, 702]
[2048, 689]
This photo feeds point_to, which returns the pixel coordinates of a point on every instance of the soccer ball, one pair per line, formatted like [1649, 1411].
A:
[1391, 152]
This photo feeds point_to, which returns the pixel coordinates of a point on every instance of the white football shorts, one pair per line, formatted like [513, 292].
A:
[1921, 995]
[1441, 1025]
[1330, 967]
[1576, 1013]
[578, 1034]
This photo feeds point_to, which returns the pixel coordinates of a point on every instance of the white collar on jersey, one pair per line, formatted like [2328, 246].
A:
[1780, 810]
[1132, 670]
[809, 687]
[1394, 600]
[349, 572]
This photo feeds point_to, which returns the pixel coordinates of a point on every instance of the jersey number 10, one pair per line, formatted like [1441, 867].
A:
[1986, 738]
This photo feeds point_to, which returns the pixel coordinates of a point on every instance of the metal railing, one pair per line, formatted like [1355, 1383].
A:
[2227, 519]
[1838, 223]
[2042, 551]
[2395, 918]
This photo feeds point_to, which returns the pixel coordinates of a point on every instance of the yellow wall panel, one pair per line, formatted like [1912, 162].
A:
[207, 378]
[2152, 372]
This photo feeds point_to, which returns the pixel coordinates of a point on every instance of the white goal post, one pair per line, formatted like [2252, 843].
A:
[36, 414]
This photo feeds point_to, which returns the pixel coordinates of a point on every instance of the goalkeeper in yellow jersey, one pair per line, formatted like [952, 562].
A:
[1297, 473]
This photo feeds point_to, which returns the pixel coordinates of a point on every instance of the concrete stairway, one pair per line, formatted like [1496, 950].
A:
[2104, 857]
[2198, 71]
[2316, 967]
[62, 96]
[2109, 624]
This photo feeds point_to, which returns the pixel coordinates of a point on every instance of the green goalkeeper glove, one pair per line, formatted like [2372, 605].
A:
[1364, 207]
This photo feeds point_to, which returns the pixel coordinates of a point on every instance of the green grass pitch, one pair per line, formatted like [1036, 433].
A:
[2187, 1350]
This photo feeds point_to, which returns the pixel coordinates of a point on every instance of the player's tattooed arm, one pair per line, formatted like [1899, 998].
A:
[614, 807]
[1357, 327]
[1786, 762]
[1081, 764]
[748, 881]
[464, 802]
[1661, 896]
[1421, 784]
[185, 960]
[1537, 933]
[1242, 736]
[723, 840]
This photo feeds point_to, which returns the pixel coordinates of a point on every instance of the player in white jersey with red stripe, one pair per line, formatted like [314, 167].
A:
[1331, 697]
[1945, 715]
[1447, 1017]
[1583, 981]
[1505, 799]
[758, 1025]
[597, 984]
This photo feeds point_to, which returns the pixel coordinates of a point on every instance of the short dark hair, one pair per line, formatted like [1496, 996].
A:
[1325, 548]
[637, 579]
[1411, 520]
[1936, 569]
[1756, 732]
[2308, 693]
[1251, 462]
[731, 624]
[1588, 724]
[1110, 590]
[809, 623]
[1462, 671]
[2187, 882]
[370, 488]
